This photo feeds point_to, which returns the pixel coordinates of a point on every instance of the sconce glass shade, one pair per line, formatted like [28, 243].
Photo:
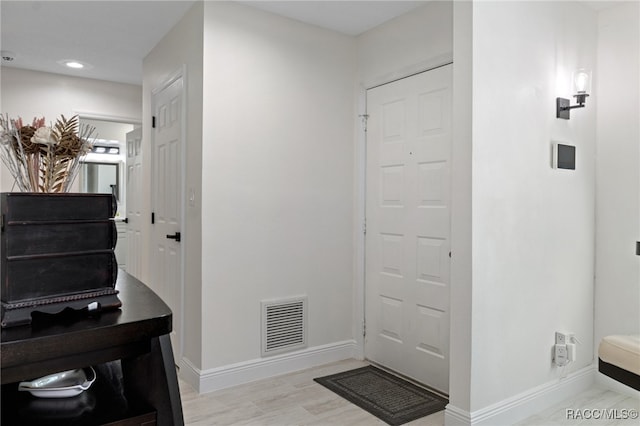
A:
[581, 82]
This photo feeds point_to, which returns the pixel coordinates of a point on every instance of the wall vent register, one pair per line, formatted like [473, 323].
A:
[284, 325]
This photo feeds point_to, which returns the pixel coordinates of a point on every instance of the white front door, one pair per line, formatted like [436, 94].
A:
[134, 193]
[167, 203]
[408, 226]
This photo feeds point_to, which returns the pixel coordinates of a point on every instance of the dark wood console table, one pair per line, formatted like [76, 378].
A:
[135, 338]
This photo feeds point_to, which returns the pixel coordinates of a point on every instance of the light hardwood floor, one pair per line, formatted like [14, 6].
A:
[591, 407]
[295, 399]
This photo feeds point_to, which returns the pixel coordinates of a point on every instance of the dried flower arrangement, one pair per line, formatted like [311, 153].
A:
[41, 158]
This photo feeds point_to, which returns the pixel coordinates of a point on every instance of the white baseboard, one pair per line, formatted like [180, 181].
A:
[454, 416]
[189, 373]
[244, 372]
[525, 404]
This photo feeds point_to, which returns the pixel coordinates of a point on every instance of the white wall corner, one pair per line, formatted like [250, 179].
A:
[244, 372]
[525, 404]
[454, 416]
[188, 372]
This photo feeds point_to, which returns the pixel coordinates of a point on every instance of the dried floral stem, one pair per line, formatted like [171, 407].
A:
[44, 159]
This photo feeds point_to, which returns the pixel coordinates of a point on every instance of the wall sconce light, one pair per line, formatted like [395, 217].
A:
[581, 87]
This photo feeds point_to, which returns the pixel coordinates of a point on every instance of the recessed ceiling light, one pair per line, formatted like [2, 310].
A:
[72, 63]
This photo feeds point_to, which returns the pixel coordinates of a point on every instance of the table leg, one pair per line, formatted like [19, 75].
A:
[153, 377]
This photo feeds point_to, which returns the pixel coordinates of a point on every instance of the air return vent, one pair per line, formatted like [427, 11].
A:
[284, 325]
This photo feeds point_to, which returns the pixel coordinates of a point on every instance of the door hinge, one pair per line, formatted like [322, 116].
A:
[638, 248]
[364, 118]
[364, 227]
[153, 218]
[364, 329]
[153, 122]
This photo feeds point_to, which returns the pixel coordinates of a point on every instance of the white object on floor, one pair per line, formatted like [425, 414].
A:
[60, 385]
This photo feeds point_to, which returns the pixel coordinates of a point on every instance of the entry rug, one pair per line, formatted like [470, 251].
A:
[388, 397]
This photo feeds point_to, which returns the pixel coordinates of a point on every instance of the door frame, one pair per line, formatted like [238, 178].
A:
[180, 73]
[110, 119]
[361, 190]
[136, 122]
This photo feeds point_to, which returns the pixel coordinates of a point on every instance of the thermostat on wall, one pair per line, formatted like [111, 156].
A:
[564, 156]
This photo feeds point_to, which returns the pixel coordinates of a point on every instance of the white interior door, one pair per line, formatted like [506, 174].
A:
[408, 226]
[133, 204]
[167, 203]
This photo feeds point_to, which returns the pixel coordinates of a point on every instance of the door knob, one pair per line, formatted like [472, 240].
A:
[175, 236]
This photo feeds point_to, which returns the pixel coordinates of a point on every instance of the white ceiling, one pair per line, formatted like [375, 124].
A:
[114, 36]
[347, 17]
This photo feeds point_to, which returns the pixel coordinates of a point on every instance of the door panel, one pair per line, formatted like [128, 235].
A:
[134, 191]
[408, 226]
[167, 204]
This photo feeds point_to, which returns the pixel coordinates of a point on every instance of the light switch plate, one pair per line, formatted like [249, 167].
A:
[564, 156]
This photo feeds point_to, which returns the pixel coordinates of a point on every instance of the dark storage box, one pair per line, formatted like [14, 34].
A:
[26, 207]
[56, 252]
[46, 237]
[66, 274]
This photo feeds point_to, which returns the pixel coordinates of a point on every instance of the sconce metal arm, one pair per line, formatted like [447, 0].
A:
[563, 105]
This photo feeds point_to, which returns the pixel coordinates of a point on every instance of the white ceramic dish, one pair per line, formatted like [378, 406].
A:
[60, 385]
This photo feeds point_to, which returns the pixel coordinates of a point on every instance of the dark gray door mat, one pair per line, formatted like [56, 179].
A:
[388, 397]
